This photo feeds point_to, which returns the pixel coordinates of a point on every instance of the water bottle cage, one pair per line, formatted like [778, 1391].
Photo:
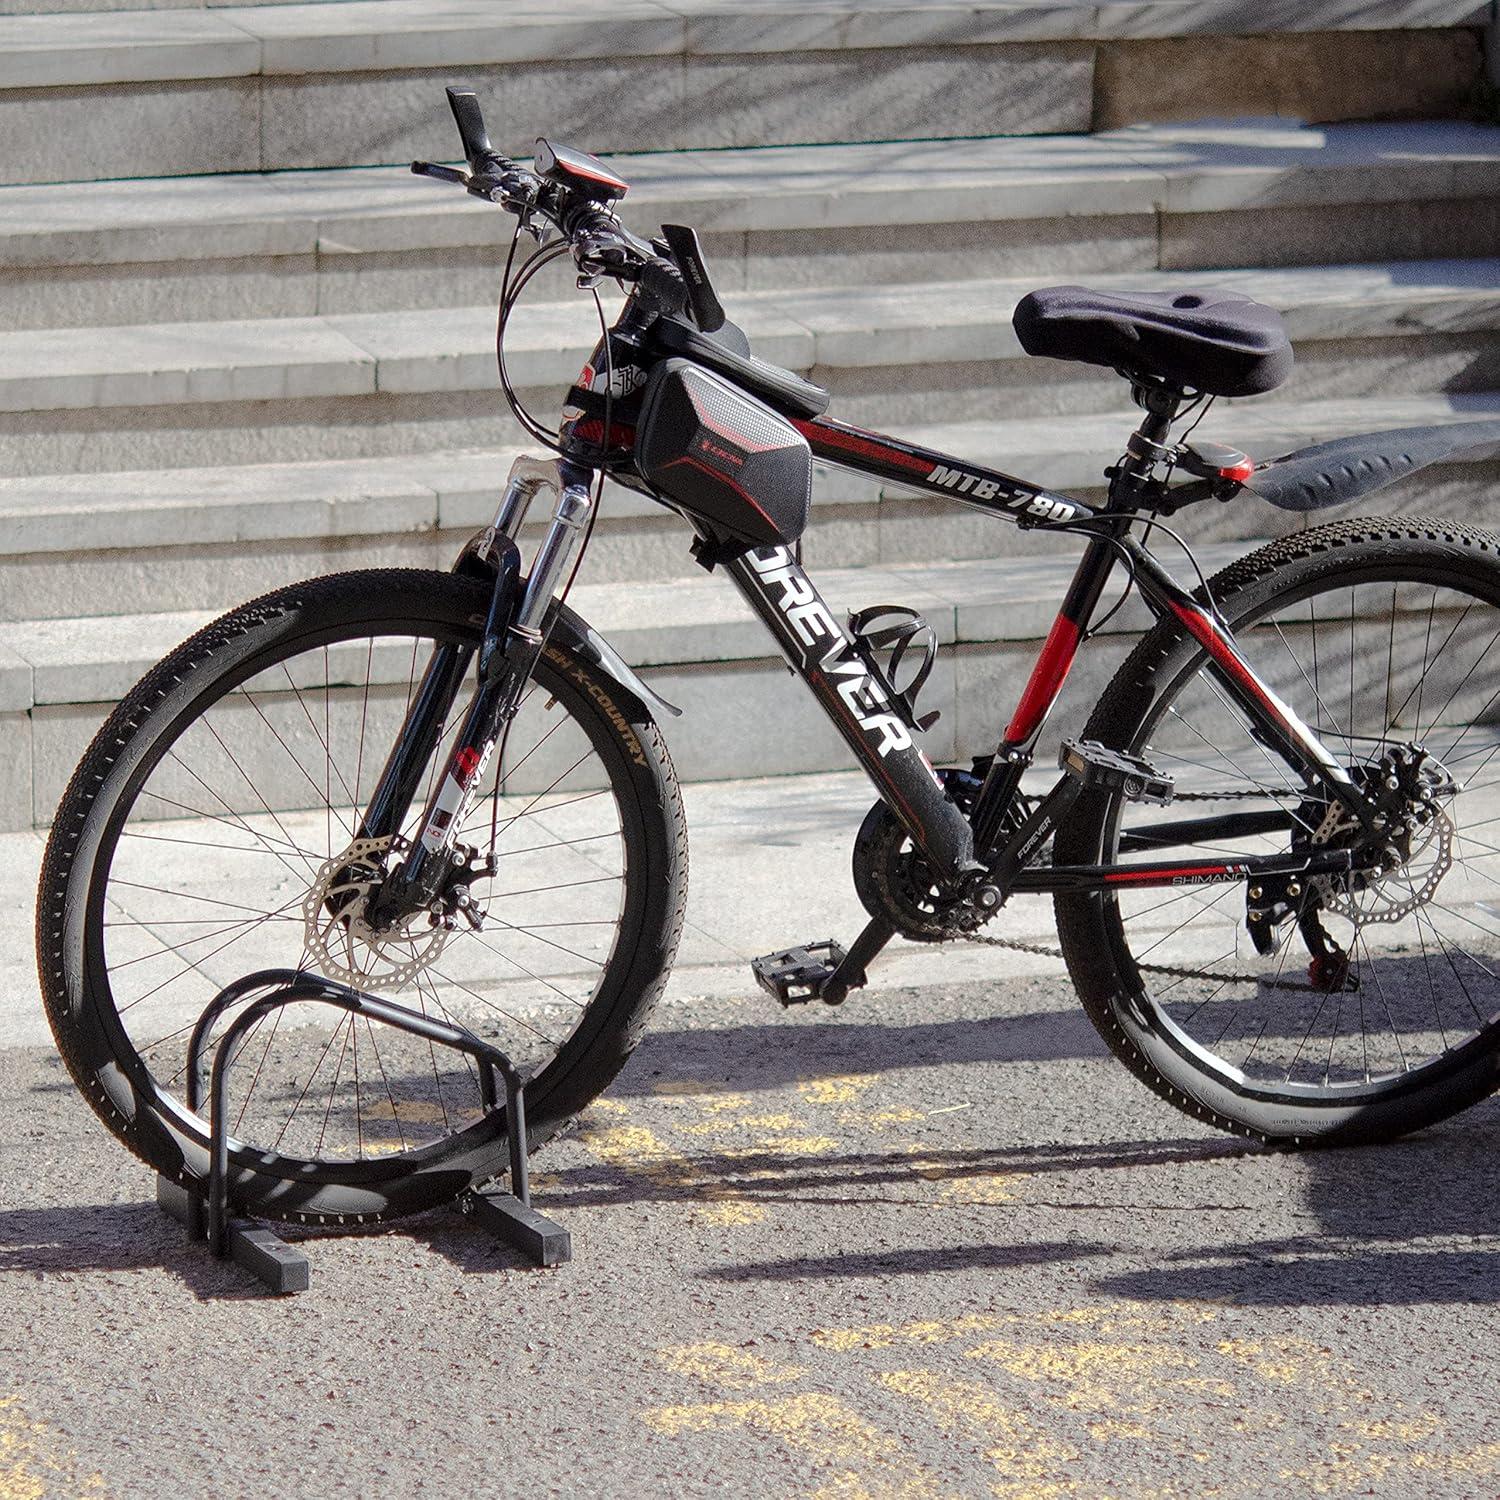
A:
[900, 632]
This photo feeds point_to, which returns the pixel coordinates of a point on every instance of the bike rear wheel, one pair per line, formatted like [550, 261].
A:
[1377, 1009]
[212, 826]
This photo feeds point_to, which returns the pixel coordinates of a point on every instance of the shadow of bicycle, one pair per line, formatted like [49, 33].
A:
[1415, 1221]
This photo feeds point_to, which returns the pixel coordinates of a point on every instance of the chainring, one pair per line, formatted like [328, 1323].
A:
[894, 882]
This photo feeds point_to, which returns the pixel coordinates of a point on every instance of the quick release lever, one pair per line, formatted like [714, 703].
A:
[708, 314]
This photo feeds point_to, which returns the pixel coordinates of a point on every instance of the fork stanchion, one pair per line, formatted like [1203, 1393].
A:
[283, 1268]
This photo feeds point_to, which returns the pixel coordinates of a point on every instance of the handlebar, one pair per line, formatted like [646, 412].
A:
[570, 198]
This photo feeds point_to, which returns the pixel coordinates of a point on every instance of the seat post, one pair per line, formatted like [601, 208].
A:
[1147, 446]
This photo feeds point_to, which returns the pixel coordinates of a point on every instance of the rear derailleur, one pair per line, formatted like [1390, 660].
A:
[1272, 904]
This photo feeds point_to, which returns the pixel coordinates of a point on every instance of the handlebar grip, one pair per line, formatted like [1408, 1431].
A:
[469, 118]
[443, 174]
[664, 286]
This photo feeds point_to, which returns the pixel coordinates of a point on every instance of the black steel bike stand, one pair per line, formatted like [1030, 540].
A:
[509, 1216]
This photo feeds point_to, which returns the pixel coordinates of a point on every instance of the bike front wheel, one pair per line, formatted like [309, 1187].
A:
[213, 827]
[1350, 1007]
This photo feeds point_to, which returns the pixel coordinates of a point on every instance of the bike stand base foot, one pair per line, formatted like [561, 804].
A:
[503, 1215]
[277, 1265]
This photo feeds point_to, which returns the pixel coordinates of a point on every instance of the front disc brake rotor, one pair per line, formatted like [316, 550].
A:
[339, 939]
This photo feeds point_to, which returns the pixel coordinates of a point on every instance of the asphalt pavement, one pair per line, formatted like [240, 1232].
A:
[936, 1243]
[933, 1243]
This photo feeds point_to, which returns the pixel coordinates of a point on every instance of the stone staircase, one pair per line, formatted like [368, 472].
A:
[212, 385]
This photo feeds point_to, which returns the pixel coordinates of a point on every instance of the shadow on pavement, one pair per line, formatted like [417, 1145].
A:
[43, 1242]
[909, 1262]
[851, 1177]
[771, 1056]
[1388, 1216]
[1321, 1273]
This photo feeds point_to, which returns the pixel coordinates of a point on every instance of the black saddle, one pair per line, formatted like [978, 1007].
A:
[1221, 343]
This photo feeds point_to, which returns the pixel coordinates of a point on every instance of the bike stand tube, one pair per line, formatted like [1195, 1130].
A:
[282, 1267]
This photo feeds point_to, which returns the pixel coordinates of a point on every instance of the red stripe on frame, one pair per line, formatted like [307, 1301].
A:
[840, 440]
[1202, 630]
[1047, 678]
[1163, 877]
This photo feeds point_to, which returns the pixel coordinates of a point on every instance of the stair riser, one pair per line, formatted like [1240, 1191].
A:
[1051, 250]
[908, 82]
[740, 719]
[113, 580]
[744, 716]
[66, 7]
[896, 398]
[628, 104]
[302, 285]
[891, 397]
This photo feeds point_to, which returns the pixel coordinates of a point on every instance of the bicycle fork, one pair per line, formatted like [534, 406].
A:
[515, 632]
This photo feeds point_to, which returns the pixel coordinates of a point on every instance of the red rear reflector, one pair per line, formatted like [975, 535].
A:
[1239, 472]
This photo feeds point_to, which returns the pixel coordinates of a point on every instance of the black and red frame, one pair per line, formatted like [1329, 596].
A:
[992, 838]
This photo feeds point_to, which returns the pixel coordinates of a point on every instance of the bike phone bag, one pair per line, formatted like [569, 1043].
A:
[723, 457]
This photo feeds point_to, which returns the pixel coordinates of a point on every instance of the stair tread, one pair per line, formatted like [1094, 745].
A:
[366, 35]
[1141, 169]
[453, 348]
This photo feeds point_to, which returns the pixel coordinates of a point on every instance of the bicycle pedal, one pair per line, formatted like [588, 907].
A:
[1096, 765]
[796, 975]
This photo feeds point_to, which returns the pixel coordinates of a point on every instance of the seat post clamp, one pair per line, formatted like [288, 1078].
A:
[1142, 447]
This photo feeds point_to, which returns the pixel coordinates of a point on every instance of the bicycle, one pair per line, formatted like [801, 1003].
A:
[1281, 922]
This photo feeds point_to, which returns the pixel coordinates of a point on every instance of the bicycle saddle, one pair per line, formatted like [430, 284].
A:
[1221, 343]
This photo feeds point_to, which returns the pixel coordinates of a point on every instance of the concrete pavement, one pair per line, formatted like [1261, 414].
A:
[770, 867]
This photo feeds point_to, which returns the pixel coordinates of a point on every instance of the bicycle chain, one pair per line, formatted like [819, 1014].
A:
[1043, 950]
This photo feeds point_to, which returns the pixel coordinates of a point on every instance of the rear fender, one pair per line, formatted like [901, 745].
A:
[1333, 473]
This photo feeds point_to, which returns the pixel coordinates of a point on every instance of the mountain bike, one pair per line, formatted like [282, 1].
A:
[1271, 848]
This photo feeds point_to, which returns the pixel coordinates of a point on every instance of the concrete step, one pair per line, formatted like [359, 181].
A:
[297, 244]
[376, 384]
[696, 641]
[83, 545]
[168, 92]
[94, 7]
[693, 640]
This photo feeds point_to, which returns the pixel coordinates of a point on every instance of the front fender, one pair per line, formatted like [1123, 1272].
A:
[1333, 473]
[571, 628]
[576, 633]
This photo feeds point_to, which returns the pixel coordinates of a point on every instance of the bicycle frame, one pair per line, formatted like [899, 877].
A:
[823, 654]
[960, 850]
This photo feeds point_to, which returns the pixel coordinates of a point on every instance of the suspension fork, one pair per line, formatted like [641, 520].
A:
[515, 632]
